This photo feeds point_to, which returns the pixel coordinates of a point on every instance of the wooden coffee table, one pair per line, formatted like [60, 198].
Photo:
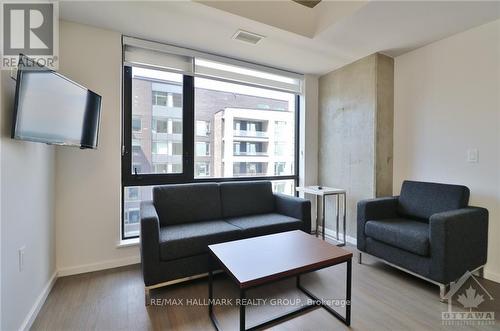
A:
[263, 260]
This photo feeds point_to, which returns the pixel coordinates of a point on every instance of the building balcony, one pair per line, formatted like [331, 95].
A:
[170, 112]
[176, 137]
[165, 158]
[238, 153]
[250, 174]
[253, 134]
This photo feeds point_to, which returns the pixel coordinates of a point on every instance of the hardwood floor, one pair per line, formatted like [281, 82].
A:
[383, 298]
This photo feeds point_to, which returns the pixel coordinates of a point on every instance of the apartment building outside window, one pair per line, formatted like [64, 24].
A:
[202, 148]
[136, 124]
[202, 169]
[202, 128]
[167, 99]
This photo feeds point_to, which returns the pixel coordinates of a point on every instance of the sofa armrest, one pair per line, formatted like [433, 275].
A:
[150, 241]
[294, 207]
[373, 209]
[459, 242]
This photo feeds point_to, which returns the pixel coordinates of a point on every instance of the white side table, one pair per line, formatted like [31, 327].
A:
[322, 191]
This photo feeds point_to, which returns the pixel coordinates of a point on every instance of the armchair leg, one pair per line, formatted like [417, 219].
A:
[442, 292]
[147, 297]
[480, 272]
[359, 258]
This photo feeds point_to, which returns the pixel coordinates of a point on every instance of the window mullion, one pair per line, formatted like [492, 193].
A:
[188, 127]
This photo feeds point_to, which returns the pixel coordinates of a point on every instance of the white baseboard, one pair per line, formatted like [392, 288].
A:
[30, 318]
[80, 269]
[331, 235]
[493, 276]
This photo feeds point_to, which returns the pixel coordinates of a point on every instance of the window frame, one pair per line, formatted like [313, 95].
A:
[188, 140]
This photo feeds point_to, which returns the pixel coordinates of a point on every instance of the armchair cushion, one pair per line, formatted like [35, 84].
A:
[182, 240]
[420, 200]
[260, 225]
[412, 236]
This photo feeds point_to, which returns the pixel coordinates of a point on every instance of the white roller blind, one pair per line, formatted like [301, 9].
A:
[248, 75]
[190, 62]
[150, 58]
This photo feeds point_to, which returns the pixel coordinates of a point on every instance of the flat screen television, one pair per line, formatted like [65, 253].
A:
[52, 109]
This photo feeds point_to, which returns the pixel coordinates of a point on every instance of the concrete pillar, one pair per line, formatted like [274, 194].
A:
[356, 132]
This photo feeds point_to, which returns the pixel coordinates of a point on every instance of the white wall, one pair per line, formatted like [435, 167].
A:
[27, 219]
[88, 181]
[447, 100]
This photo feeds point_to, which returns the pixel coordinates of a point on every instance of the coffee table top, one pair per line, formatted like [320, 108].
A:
[259, 260]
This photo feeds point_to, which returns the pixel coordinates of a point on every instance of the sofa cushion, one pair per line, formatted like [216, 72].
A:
[412, 236]
[246, 198]
[183, 240]
[421, 200]
[184, 203]
[260, 225]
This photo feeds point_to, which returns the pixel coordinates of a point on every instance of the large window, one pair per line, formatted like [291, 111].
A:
[181, 128]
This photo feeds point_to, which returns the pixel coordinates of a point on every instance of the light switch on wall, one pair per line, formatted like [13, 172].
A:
[21, 258]
[472, 155]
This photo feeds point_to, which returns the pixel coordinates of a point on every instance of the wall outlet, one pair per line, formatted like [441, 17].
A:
[472, 155]
[20, 252]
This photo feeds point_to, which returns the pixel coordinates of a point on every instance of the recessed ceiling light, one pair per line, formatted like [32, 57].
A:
[247, 37]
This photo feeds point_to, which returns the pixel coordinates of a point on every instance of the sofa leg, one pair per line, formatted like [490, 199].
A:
[359, 258]
[147, 297]
[442, 292]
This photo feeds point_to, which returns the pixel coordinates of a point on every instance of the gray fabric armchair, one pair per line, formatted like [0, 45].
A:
[182, 220]
[428, 230]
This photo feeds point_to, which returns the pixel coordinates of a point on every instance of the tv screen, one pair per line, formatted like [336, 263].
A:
[52, 109]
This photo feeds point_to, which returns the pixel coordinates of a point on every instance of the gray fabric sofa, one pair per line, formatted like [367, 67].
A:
[428, 230]
[182, 220]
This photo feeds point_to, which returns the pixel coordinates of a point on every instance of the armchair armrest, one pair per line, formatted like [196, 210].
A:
[373, 209]
[150, 240]
[459, 242]
[294, 207]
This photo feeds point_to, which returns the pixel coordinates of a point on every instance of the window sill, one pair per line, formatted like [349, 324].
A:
[128, 242]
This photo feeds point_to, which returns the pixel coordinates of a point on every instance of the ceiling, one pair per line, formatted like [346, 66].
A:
[289, 15]
[301, 39]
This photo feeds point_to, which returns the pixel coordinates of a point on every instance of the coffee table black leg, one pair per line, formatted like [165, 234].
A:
[242, 310]
[318, 302]
[210, 300]
[348, 292]
[210, 292]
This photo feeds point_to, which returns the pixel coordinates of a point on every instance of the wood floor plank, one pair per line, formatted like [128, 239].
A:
[383, 297]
